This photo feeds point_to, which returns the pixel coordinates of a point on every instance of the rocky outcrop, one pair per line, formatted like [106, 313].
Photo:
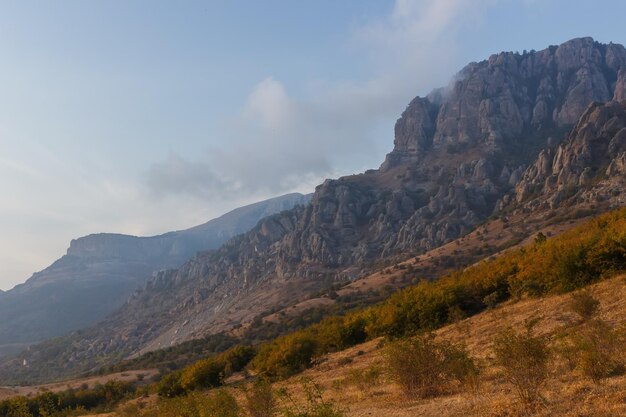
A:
[588, 167]
[502, 101]
[620, 86]
[100, 271]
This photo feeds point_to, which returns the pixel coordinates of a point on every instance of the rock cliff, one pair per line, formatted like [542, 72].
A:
[588, 167]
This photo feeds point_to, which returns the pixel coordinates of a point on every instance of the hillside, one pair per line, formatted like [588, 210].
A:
[100, 271]
[461, 155]
[482, 301]
[566, 394]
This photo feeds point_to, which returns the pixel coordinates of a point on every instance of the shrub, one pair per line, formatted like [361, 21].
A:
[236, 358]
[260, 401]
[286, 355]
[524, 359]
[365, 379]
[207, 373]
[18, 407]
[584, 304]
[170, 386]
[597, 350]
[315, 404]
[220, 403]
[425, 368]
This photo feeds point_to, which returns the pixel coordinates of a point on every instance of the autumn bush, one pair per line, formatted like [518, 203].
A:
[576, 258]
[584, 304]
[364, 379]
[260, 399]
[286, 355]
[595, 348]
[424, 367]
[217, 403]
[314, 405]
[524, 359]
[205, 373]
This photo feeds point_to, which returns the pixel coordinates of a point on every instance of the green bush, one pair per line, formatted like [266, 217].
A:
[170, 386]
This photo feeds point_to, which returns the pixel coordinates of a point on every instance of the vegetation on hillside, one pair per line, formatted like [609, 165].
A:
[576, 258]
[581, 256]
[69, 402]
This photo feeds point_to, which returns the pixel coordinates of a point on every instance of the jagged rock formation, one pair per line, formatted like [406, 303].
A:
[588, 167]
[458, 155]
[100, 271]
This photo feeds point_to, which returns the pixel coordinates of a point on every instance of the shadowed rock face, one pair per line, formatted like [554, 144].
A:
[458, 155]
[587, 167]
[100, 271]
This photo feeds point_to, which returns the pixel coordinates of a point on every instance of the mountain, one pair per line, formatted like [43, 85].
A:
[461, 155]
[100, 271]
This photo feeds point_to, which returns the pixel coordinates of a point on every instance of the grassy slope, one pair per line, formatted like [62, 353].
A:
[567, 394]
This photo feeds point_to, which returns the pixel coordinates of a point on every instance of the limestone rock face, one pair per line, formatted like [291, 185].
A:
[594, 153]
[620, 86]
[491, 103]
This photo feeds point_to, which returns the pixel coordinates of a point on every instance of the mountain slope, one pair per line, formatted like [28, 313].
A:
[458, 155]
[569, 394]
[100, 271]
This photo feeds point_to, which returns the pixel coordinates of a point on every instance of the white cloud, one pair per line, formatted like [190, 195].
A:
[269, 105]
[280, 141]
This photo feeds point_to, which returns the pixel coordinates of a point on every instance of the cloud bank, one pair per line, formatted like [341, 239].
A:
[281, 142]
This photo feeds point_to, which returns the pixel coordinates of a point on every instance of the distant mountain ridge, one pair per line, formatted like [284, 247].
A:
[460, 155]
[100, 271]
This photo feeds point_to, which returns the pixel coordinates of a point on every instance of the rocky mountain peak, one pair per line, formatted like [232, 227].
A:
[509, 97]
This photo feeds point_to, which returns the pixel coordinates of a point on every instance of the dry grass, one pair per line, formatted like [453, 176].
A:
[566, 394]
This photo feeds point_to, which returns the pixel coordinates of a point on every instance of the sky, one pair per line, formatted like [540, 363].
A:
[142, 117]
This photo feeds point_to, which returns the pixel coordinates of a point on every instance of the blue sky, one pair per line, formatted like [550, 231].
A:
[142, 117]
